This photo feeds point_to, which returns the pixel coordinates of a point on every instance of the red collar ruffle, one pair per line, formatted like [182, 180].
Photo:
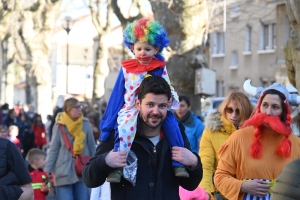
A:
[132, 65]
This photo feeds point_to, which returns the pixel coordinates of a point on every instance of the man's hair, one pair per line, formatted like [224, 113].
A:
[156, 85]
[186, 99]
[34, 154]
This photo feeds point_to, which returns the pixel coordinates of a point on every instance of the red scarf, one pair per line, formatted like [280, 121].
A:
[132, 65]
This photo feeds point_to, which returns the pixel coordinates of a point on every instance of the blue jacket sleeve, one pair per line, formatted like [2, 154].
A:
[115, 103]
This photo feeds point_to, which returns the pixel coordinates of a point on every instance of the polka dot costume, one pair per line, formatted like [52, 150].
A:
[127, 116]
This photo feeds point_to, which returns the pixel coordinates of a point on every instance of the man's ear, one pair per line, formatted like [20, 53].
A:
[138, 104]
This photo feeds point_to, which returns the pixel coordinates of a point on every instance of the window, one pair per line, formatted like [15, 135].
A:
[248, 38]
[234, 60]
[287, 29]
[268, 36]
[219, 43]
[235, 10]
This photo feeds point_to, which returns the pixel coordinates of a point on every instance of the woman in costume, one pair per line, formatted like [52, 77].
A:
[253, 157]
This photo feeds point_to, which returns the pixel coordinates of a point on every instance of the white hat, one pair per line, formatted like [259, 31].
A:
[257, 92]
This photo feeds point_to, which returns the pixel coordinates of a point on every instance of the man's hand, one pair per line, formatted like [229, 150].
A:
[256, 187]
[116, 159]
[184, 156]
[27, 192]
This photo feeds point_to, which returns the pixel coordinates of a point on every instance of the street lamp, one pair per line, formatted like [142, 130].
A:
[67, 27]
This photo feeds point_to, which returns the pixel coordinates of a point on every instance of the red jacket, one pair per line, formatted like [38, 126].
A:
[38, 131]
[39, 180]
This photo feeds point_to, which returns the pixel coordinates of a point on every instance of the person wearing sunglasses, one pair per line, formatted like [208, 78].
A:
[219, 125]
[70, 127]
[253, 157]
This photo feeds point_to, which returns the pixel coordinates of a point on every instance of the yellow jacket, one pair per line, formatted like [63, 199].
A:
[216, 132]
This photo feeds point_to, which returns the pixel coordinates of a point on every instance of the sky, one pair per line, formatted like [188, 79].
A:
[78, 8]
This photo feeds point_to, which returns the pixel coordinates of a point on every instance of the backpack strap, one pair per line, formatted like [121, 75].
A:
[66, 139]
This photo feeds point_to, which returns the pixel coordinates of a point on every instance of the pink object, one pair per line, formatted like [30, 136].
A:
[197, 194]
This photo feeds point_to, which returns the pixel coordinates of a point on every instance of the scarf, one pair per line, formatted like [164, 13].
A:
[75, 129]
[187, 119]
[132, 65]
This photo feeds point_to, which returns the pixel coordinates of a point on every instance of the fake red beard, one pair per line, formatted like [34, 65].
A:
[144, 59]
[260, 119]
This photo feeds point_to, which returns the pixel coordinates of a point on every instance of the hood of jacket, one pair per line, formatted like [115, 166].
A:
[216, 122]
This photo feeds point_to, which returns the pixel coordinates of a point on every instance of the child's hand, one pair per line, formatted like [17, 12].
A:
[45, 188]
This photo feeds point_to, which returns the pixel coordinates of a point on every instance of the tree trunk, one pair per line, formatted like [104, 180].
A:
[292, 47]
[101, 69]
[36, 32]
[185, 22]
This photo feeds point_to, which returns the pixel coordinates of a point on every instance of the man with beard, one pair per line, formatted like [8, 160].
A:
[154, 177]
[254, 156]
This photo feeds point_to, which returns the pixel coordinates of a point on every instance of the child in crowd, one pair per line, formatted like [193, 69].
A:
[13, 132]
[40, 182]
[39, 131]
[146, 39]
[3, 131]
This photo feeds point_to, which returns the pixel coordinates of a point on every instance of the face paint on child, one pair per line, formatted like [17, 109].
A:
[144, 52]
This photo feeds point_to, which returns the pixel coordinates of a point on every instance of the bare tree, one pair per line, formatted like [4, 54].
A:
[292, 47]
[103, 28]
[33, 24]
[186, 23]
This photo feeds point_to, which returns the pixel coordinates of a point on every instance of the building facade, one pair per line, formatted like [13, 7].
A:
[247, 42]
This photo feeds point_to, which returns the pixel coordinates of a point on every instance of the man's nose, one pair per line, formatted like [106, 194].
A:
[143, 53]
[155, 110]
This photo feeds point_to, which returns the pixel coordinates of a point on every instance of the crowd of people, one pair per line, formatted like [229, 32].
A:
[149, 144]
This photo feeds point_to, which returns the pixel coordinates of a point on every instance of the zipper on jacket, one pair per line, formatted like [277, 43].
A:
[148, 152]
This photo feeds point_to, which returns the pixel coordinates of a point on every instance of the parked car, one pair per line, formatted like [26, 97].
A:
[211, 103]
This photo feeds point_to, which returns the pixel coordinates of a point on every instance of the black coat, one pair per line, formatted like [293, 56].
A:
[12, 171]
[287, 186]
[155, 177]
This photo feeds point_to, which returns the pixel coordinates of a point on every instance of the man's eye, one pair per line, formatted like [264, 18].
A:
[163, 106]
[150, 104]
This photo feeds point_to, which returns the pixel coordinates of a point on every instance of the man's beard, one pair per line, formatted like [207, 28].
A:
[273, 122]
[145, 120]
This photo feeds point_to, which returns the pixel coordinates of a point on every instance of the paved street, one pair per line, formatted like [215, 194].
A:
[51, 196]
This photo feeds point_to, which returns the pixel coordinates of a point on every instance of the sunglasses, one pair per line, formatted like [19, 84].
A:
[230, 110]
[78, 107]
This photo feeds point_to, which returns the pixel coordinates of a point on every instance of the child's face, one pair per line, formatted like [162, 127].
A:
[143, 51]
[40, 162]
[13, 133]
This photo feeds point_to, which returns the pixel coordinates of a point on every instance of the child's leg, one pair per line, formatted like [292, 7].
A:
[124, 136]
[127, 128]
[173, 134]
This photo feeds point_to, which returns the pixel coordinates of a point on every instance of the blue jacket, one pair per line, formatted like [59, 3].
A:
[193, 129]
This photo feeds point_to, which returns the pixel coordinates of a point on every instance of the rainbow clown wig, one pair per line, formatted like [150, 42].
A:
[146, 30]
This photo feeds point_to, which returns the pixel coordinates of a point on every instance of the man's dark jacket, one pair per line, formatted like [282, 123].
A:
[155, 178]
[9, 185]
[287, 186]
